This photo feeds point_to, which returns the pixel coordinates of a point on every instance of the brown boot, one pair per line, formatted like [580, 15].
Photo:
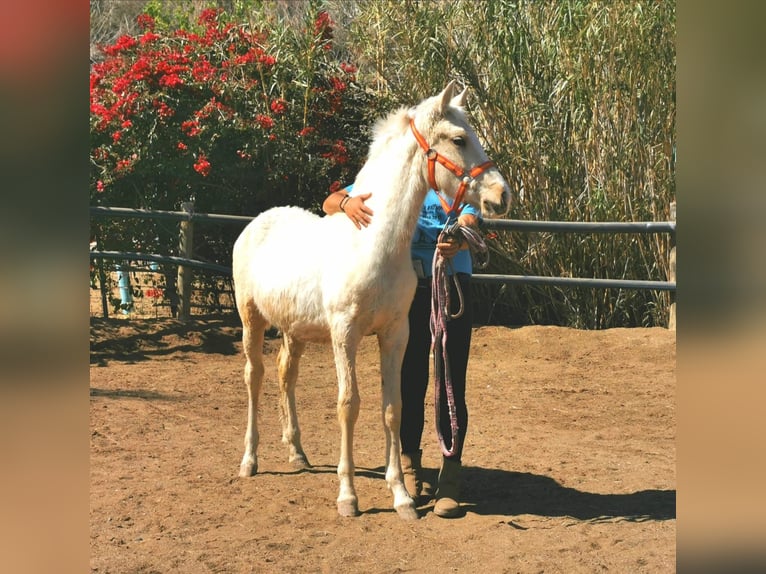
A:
[411, 471]
[447, 493]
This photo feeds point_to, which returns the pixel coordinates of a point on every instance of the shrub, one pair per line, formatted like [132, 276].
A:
[236, 117]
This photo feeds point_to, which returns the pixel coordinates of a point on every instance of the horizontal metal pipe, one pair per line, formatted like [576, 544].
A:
[127, 256]
[503, 224]
[582, 226]
[575, 282]
[506, 224]
[100, 211]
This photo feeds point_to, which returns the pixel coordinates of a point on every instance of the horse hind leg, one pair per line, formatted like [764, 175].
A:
[253, 329]
[287, 363]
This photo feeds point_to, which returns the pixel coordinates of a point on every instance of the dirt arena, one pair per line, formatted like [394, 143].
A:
[569, 461]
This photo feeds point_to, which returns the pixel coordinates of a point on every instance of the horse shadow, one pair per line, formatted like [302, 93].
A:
[492, 491]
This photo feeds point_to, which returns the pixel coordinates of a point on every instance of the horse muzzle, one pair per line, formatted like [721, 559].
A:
[497, 201]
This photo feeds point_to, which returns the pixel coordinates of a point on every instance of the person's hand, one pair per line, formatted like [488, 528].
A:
[357, 211]
[468, 220]
[449, 247]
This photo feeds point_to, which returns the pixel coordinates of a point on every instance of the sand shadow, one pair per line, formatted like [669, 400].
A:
[373, 473]
[131, 394]
[495, 491]
[146, 341]
[507, 493]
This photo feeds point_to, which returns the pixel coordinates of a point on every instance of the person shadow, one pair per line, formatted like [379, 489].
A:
[489, 491]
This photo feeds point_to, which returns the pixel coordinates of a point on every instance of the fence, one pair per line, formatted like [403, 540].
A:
[187, 217]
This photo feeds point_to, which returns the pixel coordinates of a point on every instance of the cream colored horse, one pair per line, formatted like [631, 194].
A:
[321, 279]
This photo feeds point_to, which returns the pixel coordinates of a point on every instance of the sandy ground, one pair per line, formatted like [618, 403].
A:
[569, 460]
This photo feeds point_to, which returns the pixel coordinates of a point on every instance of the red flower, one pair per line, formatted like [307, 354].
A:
[122, 44]
[145, 22]
[100, 153]
[123, 165]
[348, 68]
[338, 153]
[338, 84]
[267, 60]
[163, 110]
[264, 121]
[191, 128]
[182, 146]
[100, 186]
[149, 37]
[323, 26]
[208, 17]
[171, 81]
[202, 166]
[278, 106]
[306, 131]
[202, 71]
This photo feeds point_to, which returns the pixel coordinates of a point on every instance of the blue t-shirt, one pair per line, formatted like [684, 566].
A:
[431, 221]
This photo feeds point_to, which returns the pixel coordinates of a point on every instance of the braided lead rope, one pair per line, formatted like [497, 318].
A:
[440, 314]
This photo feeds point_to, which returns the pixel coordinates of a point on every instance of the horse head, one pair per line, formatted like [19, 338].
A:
[464, 172]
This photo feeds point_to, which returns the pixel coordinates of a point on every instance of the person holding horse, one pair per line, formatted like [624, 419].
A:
[415, 368]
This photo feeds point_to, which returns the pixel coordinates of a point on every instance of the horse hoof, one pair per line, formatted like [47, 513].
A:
[408, 512]
[248, 469]
[300, 462]
[348, 508]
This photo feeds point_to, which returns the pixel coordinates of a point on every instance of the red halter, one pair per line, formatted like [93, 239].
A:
[433, 156]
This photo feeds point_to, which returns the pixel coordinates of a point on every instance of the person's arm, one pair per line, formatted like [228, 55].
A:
[352, 205]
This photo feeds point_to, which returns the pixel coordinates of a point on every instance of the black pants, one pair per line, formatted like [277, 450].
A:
[415, 369]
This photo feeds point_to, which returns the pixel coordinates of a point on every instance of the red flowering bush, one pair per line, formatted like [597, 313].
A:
[236, 117]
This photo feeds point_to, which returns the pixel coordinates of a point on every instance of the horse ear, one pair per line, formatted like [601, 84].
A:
[446, 96]
[459, 100]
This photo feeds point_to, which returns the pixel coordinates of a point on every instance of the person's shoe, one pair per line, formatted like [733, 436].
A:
[411, 471]
[448, 490]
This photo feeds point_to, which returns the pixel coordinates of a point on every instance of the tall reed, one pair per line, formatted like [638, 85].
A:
[575, 101]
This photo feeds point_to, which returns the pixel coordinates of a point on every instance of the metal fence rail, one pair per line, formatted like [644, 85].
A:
[100, 211]
[582, 226]
[188, 216]
[128, 256]
[491, 279]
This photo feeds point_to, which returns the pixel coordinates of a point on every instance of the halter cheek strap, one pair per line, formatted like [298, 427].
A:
[433, 156]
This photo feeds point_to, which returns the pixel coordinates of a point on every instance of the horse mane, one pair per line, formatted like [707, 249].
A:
[397, 122]
[387, 129]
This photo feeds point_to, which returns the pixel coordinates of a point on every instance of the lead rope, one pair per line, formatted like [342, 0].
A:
[441, 314]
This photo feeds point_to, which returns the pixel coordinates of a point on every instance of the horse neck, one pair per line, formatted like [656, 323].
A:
[396, 182]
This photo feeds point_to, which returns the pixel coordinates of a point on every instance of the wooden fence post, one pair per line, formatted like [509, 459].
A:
[102, 288]
[672, 271]
[185, 248]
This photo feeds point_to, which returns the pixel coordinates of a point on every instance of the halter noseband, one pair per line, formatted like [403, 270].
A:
[466, 178]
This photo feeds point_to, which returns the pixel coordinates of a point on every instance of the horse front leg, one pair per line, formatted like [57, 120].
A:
[345, 349]
[287, 366]
[392, 346]
[252, 342]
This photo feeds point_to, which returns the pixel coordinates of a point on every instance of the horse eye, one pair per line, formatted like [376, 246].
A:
[459, 141]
